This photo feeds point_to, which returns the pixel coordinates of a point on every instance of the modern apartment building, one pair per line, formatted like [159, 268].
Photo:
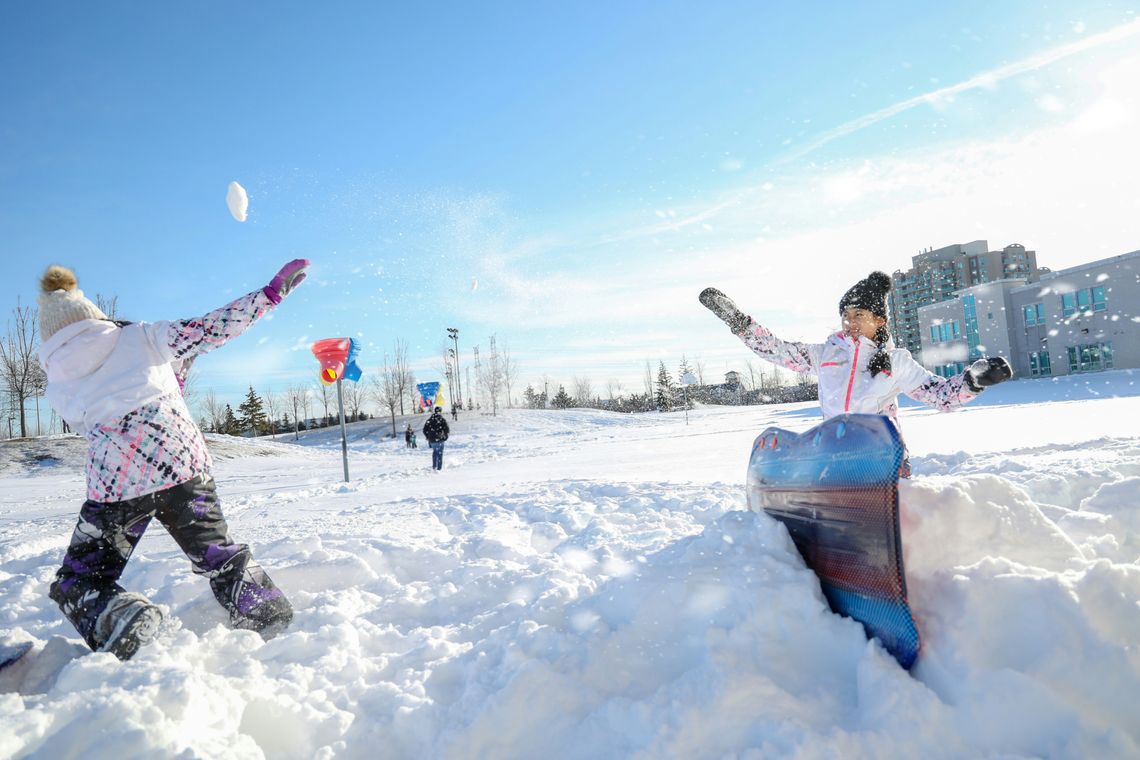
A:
[1082, 319]
[936, 274]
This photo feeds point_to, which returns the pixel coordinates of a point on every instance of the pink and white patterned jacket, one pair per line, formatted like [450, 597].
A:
[845, 383]
[118, 387]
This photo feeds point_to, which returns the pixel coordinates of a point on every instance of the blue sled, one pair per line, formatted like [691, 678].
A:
[835, 488]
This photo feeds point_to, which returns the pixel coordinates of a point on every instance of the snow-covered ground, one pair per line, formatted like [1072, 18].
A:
[589, 585]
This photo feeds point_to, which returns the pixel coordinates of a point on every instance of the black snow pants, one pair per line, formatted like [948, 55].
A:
[107, 533]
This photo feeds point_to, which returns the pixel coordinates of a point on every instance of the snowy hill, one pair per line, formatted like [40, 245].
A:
[585, 584]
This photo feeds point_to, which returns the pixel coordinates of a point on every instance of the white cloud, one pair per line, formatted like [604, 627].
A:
[786, 245]
[986, 80]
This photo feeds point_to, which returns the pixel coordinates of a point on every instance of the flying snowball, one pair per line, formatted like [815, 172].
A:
[474, 285]
[238, 201]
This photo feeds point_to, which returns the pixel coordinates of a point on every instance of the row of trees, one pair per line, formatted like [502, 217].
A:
[391, 388]
[664, 391]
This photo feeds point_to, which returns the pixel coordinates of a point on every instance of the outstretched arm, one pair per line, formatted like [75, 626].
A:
[946, 393]
[186, 338]
[189, 337]
[798, 357]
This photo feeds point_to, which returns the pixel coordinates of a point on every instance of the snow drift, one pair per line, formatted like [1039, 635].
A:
[581, 584]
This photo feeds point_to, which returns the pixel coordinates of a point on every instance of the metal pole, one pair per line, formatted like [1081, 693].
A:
[455, 337]
[453, 332]
[343, 435]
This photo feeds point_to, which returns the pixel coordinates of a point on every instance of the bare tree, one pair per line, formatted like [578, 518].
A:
[752, 374]
[699, 368]
[109, 305]
[272, 405]
[384, 387]
[613, 388]
[297, 396]
[648, 380]
[583, 390]
[354, 397]
[214, 409]
[510, 373]
[412, 396]
[404, 378]
[308, 401]
[490, 376]
[190, 382]
[18, 360]
[326, 398]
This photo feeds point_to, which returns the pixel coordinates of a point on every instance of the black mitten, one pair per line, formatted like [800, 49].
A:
[724, 308]
[986, 372]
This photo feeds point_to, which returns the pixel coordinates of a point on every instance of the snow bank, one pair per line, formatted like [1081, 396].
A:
[581, 584]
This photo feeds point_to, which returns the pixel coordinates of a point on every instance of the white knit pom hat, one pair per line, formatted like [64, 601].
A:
[62, 302]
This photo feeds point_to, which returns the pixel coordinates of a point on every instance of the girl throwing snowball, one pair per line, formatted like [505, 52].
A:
[117, 384]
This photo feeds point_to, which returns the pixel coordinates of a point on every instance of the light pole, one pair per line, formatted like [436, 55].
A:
[453, 333]
[451, 374]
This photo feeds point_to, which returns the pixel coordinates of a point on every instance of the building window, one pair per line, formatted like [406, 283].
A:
[950, 370]
[1090, 357]
[1086, 301]
[1034, 314]
[969, 304]
[945, 331]
[1039, 364]
[1098, 300]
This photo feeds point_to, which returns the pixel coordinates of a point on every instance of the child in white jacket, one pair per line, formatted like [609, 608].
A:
[117, 384]
[859, 369]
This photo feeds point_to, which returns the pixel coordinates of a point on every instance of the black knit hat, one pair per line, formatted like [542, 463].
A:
[869, 293]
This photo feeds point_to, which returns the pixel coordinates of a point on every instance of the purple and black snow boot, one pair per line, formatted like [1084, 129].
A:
[127, 622]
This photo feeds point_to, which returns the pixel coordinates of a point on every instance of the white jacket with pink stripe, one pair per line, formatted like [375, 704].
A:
[845, 383]
[117, 386]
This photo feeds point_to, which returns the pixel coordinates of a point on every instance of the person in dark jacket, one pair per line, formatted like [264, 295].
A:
[436, 432]
[408, 436]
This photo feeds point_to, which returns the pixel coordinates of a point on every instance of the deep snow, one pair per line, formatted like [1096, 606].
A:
[583, 584]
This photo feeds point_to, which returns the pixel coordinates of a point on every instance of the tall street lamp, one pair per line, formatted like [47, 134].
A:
[453, 333]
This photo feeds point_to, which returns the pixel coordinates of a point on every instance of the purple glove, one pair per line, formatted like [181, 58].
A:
[286, 280]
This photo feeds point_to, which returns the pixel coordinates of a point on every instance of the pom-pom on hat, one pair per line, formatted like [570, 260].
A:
[62, 302]
[869, 293]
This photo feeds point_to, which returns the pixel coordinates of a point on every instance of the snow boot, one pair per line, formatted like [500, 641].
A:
[258, 605]
[127, 622]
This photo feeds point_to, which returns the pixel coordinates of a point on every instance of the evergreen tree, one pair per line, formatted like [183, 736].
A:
[561, 399]
[229, 422]
[664, 389]
[252, 413]
[683, 370]
[534, 399]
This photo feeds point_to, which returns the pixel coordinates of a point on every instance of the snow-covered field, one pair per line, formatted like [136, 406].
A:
[589, 585]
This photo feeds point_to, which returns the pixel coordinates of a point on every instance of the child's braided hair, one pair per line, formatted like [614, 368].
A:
[881, 359]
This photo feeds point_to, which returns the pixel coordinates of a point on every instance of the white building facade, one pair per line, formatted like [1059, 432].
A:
[1082, 319]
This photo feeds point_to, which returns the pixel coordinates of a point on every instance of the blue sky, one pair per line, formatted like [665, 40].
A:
[564, 176]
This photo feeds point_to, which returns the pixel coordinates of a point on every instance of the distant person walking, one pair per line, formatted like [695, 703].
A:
[455, 413]
[436, 431]
[408, 435]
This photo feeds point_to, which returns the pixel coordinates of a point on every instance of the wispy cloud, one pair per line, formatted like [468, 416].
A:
[787, 250]
[985, 80]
